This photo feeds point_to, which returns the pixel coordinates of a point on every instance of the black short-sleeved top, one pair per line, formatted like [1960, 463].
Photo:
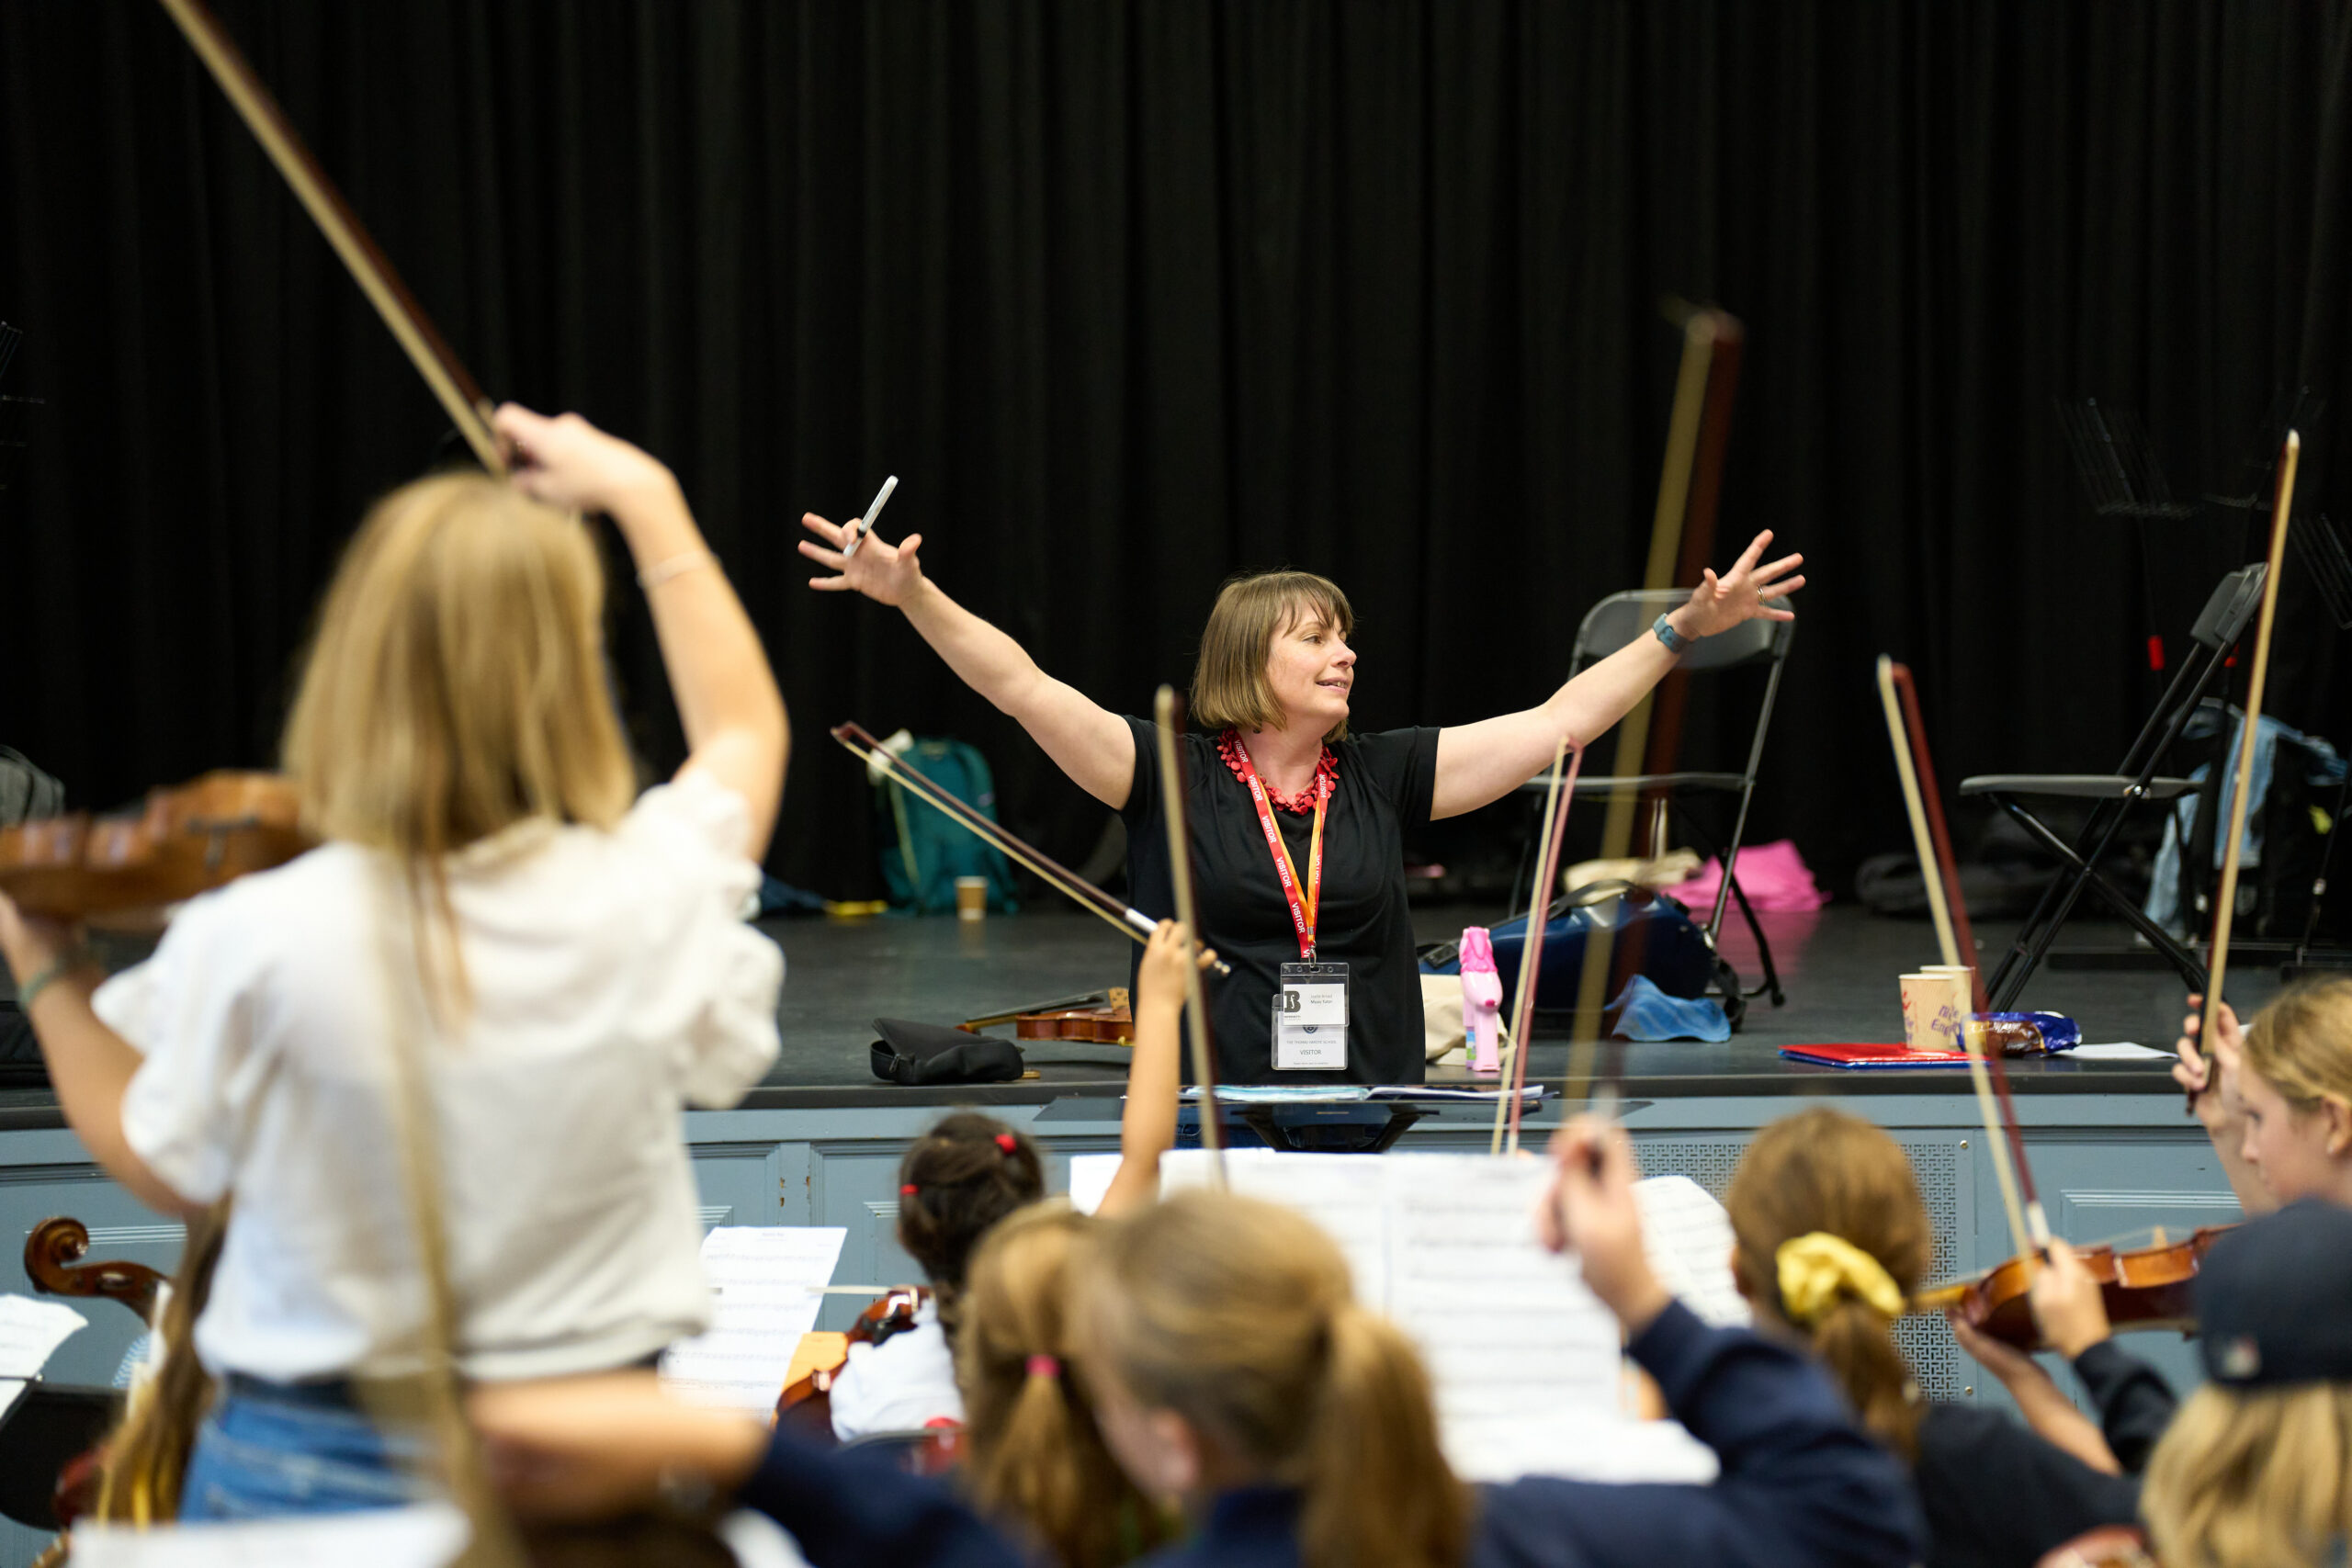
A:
[1384, 790]
[1995, 1493]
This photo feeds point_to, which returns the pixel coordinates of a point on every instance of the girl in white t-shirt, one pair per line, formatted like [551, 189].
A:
[968, 1173]
[492, 901]
[955, 1182]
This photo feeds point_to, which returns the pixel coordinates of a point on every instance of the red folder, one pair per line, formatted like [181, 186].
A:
[1896, 1055]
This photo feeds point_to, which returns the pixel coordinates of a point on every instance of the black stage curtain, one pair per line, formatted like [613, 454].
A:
[1132, 295]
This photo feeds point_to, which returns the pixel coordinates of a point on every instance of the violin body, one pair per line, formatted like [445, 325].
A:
[2144, 1288]
[808, 1402]
[1103, 1025]
[179, 843]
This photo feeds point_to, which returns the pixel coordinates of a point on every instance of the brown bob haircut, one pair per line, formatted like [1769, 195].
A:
[1230, 688]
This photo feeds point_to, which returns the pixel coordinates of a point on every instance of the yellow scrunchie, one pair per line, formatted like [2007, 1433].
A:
[1817, 1267]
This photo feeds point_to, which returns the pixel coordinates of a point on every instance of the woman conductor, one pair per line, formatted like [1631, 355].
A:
[1297, 827]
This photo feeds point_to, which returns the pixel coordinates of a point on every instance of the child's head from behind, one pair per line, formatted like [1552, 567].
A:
[456, 682]
[1033, 1455]
[1224, 1346]
[956, 1180]
[1824, 1174]
[2295, 1086]
[2256, 1470]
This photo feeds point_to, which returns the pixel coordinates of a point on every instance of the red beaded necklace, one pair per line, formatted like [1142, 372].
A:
[1327, 766]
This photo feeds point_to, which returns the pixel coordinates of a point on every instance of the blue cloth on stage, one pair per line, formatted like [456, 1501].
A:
[1644, 1012]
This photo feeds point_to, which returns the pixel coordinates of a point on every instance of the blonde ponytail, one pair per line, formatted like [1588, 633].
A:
[1238, 1315]
[1831, 1236]
[1371, 1456]
[1034, 1457]
[146, 1456]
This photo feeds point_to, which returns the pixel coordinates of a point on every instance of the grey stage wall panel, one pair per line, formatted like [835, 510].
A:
[2108, 1165]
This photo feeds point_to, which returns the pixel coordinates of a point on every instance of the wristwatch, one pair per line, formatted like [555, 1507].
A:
[1675, 641]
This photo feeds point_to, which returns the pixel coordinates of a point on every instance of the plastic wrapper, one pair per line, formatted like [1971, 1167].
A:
[2023, 1033]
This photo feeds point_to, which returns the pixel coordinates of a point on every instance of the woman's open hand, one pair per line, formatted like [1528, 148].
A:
[888, 574]
[1743, 593]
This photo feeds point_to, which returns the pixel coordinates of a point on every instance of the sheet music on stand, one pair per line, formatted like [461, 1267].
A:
[1688, 1238]
[1525, 1362]
[764, 1284]
[30, 1332]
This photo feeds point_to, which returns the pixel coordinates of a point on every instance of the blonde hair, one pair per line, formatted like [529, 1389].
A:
[1033, 1455]
[144, 1459]
[2253, 1478]
[1825, 1171]
[1230, 686]
[1238, 1315]
[456, 685]
[2302, 1043]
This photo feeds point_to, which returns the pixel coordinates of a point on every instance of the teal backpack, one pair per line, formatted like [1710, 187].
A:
[924, 849]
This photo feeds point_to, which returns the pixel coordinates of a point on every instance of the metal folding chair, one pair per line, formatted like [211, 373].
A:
[2219, 626]
[1620, 619]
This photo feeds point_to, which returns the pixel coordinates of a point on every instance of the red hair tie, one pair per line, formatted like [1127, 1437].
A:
[909, 1190]
[1045, 1367]
[1008, 1143]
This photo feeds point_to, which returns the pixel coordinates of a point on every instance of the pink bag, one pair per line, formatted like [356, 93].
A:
[1774, 876]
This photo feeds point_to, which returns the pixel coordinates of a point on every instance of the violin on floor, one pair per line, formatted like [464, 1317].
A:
[1098, 1018]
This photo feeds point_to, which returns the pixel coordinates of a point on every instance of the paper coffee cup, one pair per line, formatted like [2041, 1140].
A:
[1934, 1008]
[971, 897]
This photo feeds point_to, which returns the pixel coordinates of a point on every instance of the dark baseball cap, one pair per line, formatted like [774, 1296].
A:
[2274, 1299]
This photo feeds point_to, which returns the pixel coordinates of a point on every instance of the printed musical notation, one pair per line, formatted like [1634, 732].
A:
[1524, 1359]
[765, 1284]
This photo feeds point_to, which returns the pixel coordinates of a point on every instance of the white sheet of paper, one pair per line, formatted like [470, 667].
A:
[1584, 1446]
[764, 1282]
[427, 1536]
[1089, 1179]
[1510, 1332]
[2121, 1051]
[11, 1390]
[1525, 1361]
[1688, 1236]
[30, 1332]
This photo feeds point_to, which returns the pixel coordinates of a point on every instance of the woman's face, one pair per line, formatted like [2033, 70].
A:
[2300, 1151]
[1311, 668]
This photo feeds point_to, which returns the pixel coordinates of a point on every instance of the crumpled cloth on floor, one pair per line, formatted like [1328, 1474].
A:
[1774, 876]
[1642, 1011]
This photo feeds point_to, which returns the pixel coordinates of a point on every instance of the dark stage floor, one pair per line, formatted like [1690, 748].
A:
[1838, 969]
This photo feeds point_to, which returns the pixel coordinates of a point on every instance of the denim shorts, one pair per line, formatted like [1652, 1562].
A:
[267, 1450]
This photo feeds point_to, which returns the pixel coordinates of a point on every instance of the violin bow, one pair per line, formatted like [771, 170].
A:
[1166, 711]
[2028, 1228]
[1566, 759]
[1131, 921]
[1683, 535]
[2226, 903]
[418, 338]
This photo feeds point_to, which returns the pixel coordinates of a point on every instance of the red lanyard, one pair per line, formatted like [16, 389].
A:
[1302, 915]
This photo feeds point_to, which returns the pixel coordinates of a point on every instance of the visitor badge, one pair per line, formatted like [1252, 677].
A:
[1311, 1019]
